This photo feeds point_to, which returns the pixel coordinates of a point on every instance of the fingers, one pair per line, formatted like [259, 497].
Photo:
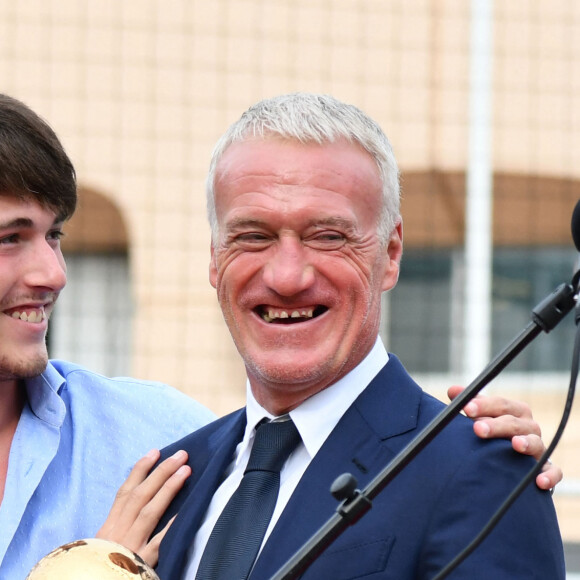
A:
[454, 390]
[505, 427]
[155, 492]
[497, 416]
[550, 477]
[529, 445]
[150, 553]
[137, 476]
[491, 406]
[142, 500]
[533, 445]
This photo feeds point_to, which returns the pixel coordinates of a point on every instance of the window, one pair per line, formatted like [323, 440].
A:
[91, 323]
[425, 308]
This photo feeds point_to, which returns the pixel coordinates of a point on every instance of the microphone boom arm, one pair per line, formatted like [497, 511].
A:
[355, 503]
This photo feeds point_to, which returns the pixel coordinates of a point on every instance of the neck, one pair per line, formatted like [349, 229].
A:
[11, 404]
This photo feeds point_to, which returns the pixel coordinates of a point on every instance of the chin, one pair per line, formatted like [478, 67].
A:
[294, 372]
[19, 368]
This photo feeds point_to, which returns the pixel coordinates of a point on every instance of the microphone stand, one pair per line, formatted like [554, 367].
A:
[355, 503]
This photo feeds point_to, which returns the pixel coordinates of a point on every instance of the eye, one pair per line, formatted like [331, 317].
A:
[251, 237]
[11, 239]
[326, 240]
[252, 240]
[55, 235]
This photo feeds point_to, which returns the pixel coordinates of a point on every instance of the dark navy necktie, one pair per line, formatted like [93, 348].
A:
[238, 533]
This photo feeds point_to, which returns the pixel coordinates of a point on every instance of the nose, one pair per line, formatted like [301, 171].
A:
[45, 267]
[288, 270]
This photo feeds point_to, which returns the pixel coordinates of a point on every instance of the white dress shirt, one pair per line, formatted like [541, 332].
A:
[314, 419]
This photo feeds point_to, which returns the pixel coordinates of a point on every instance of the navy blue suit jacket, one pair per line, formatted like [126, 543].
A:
[419, 522]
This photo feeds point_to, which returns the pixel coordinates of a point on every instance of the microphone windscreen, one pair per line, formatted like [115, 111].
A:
[576, 225]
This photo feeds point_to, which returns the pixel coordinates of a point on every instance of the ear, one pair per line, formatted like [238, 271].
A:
[213, 268]
[394, 254]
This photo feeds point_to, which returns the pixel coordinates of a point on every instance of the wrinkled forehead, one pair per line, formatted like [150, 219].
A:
[291, 182]
[291, 161]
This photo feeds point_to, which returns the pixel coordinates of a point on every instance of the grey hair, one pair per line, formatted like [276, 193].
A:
[313, 118]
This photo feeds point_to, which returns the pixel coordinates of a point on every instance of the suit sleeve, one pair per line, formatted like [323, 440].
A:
[526, 542]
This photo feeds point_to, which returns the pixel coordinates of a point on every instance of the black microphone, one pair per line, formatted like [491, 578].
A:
[576, 225]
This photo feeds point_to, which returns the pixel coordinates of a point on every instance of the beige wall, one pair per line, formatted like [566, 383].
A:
[139, 90]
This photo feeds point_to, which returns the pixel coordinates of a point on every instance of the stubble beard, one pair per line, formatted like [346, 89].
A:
[12, 368]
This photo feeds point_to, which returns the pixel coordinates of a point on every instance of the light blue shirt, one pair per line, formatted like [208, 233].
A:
[77, 439]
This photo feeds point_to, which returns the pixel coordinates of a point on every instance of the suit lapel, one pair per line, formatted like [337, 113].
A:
[359, 444]
[205, 479]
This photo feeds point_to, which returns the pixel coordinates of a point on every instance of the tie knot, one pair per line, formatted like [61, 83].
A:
[274, 442]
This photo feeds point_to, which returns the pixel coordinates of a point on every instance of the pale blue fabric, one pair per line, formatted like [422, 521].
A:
[79, 436]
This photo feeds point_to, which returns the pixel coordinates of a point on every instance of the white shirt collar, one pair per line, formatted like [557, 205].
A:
[318, 416]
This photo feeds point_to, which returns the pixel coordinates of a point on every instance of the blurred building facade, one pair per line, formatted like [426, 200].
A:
[139, 91]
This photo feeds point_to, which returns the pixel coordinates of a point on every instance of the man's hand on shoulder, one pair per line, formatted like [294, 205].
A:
[497, 417]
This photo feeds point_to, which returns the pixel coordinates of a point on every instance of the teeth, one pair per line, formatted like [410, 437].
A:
[33, 316]
[273, 314]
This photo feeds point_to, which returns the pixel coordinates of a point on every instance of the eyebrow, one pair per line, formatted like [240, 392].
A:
[17, 223]
[244, 223]
[22, 222]
[254, 222]
[334, 221]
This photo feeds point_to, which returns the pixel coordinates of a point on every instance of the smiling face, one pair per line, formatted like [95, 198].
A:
[298, 267]
[32, 273]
